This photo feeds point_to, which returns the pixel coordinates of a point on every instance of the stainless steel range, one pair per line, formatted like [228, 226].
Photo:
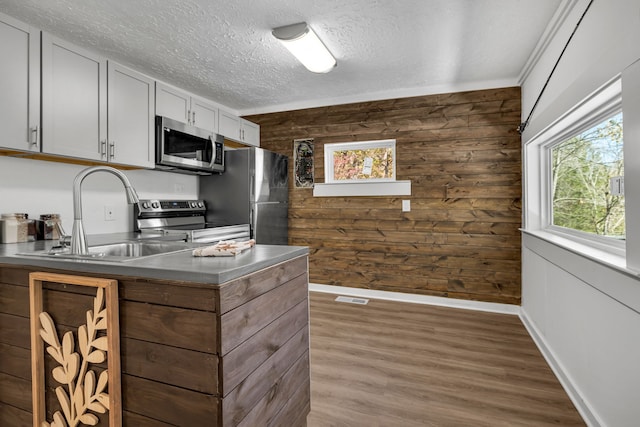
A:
[183, 220]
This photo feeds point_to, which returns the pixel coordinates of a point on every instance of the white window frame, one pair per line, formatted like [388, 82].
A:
[604, 103]
[329, 149]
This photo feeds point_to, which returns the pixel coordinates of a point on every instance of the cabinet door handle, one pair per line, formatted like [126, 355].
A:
[102, 148]
[193, 117]
[34, 135]
[112, 150]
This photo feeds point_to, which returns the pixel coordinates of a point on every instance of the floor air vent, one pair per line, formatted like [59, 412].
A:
[361, 301]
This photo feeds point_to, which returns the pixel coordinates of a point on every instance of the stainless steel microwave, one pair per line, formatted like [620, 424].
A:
[184, 148]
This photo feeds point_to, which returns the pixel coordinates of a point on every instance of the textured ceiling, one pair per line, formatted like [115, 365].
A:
[224, 50]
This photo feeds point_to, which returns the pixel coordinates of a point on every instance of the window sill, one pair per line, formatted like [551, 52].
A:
[341, 189]
[612, 259]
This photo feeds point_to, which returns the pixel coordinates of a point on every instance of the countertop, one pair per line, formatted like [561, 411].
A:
[181, 266]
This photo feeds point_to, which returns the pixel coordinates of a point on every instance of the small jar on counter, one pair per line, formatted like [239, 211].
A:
[48, 229]
[15, 227]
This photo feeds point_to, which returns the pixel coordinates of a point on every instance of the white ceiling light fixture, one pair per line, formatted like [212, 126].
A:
[305, 45]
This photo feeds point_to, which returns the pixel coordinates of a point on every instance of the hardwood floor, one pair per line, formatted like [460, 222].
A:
[400, 364]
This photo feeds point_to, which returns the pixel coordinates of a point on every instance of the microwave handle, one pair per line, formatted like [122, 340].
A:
[213, 151]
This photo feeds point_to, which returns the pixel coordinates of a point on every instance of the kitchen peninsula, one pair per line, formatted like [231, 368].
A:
[205, 341]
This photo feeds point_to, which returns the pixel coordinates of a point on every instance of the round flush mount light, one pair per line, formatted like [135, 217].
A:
[306, 46]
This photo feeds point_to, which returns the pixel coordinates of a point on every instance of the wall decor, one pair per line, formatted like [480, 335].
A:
[303, 162]
[82, 390]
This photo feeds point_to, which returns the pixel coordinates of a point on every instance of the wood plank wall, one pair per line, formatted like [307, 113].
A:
[461, 152]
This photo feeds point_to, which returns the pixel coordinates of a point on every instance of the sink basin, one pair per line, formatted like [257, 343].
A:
[138, 249]
[119, 252]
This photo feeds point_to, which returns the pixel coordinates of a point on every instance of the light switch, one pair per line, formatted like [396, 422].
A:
[406, 206]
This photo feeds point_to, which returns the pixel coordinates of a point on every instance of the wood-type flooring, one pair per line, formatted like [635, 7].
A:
[402, 365]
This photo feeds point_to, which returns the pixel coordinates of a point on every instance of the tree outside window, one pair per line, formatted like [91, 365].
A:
[582, 167]
[364, 161]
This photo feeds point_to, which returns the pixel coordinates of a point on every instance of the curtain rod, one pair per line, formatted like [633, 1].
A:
[524, 124]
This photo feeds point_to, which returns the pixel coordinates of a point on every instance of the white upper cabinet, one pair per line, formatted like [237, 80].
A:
[173, 103]
[239, 129]
[186, 108]
[131, 103]
[74, 100]
[204, 114]
[19, 85]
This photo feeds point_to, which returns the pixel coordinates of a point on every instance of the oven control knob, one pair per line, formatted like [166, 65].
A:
[155, 205]
[145, 205]
[194, 204]
[200, 204]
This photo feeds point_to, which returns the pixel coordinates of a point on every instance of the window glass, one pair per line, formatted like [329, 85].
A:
[360, 161]
[582, 170]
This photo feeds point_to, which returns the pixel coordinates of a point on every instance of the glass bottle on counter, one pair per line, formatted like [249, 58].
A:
[48, 229]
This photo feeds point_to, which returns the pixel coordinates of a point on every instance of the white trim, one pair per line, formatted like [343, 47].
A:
[341, 189]
[382, 95]
[330, 149]
[555, 24]
[417, 299]
[583, 407]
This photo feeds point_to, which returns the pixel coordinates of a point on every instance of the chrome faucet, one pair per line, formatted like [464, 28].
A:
[78, 237]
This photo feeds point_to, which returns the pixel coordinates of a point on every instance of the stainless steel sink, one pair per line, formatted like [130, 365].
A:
[118, 252]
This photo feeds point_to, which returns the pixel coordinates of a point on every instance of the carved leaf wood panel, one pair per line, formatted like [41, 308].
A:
[80, 392]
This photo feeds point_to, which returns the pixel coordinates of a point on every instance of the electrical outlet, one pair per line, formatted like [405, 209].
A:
[406, 206]
[109, 214]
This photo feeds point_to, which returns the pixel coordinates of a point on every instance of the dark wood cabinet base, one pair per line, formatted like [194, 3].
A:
[231, 354]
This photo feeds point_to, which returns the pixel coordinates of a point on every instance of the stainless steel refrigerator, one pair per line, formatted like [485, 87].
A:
[253, 189]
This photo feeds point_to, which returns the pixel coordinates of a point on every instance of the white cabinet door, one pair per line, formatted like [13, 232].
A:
[131, 99]
[238, 129]
[19, 85]
[229, 125]
[250, 132]
[74, 100]
[172, 103]
[204, 114]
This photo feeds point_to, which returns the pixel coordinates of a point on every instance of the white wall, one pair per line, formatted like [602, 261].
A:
[584, 313]
[40, 187]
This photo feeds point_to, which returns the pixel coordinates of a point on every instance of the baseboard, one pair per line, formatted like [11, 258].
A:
[581, 405]
[417, 299]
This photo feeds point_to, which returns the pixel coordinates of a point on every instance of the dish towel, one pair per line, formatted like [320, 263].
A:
[224, 248]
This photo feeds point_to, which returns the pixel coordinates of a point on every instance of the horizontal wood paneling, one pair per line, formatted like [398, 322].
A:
[252, 390]
[241, 361]
[288, 391]
[190, 329]
[241, 323]
[172, 371]
[15, 392]
[14, 417]
[244, 289]
[169, 404]
[170, 365]
[461, 238]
